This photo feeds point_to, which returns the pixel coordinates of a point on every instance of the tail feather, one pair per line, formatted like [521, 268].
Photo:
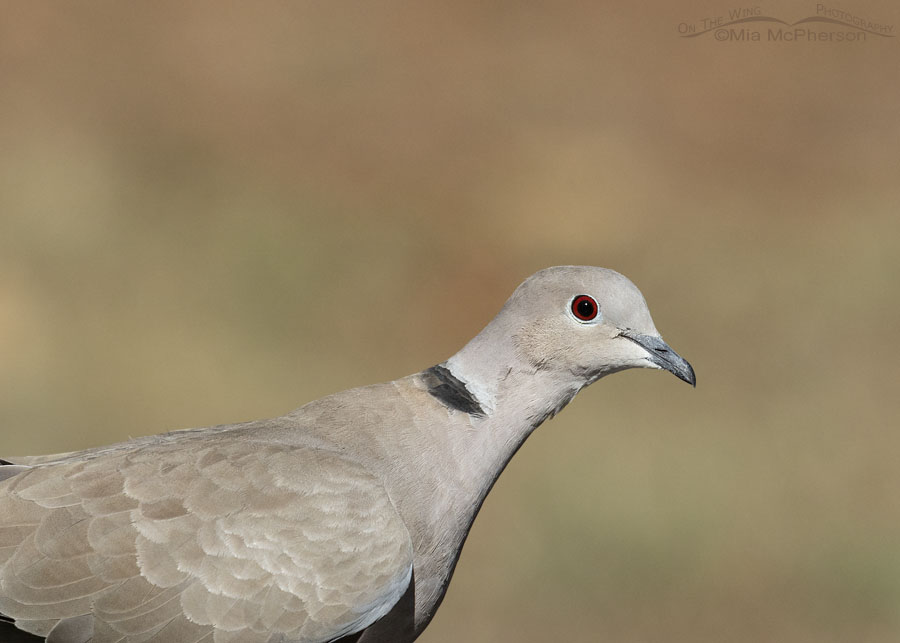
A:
[9, 633]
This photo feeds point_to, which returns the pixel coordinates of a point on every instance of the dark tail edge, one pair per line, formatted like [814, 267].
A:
[10, 634]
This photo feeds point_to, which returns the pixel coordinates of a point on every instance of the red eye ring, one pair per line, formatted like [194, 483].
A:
[585, 308]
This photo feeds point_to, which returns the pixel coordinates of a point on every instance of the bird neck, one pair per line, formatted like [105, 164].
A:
[512, 393]
[514, 399]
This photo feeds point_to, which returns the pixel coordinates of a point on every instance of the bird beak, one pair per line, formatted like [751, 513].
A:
[662, 356]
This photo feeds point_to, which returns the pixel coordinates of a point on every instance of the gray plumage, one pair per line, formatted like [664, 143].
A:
[342, 520]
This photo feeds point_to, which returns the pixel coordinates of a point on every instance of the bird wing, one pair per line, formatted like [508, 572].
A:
[213, 539]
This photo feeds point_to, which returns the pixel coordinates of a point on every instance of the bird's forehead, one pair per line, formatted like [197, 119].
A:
[562, 282]
[620, 300]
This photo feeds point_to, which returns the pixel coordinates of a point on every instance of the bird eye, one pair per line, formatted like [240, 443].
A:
[584, 308]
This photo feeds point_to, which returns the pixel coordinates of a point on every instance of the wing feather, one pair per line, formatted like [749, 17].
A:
[213, 540]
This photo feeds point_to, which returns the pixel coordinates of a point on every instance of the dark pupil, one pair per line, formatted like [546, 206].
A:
[585, 308]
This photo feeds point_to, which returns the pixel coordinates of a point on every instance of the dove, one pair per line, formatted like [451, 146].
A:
[342, 520]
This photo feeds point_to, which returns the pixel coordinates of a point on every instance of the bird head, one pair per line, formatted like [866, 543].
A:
[589, 322]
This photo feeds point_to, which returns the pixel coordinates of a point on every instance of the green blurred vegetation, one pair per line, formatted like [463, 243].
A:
[212, 212]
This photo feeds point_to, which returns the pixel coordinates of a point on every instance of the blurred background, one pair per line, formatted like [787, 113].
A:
[218, 211]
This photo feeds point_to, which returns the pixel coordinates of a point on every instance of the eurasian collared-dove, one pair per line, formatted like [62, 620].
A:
[342, 520]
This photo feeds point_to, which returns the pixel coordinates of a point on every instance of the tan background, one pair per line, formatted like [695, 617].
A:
[212, 212]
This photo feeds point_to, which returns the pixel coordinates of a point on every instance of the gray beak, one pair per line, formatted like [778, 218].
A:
[660, 354]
